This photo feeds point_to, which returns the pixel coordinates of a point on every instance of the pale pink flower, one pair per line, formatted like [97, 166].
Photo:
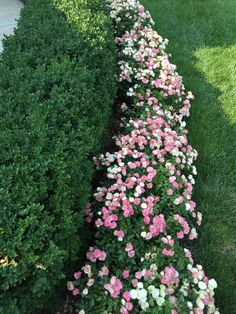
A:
[76, 291]
[70, 286]
[77, 275]
[125, 274]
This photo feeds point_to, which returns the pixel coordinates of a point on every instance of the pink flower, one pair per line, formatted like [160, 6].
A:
[76, 291]
[147, 220]
[170, 276]
[97, 253]
[129, 247]
[99, 222]
[168, 252]
[77, 275]
[129, 306]
[175, 185]
[120, 234]
[172, 179]
[126, 296]
[132, 165]
[180, 235]
[138, 275]
[94, 254]
[131, 253]
[148, 274]
[104, 271]
[145, 212]
[159, 225]
[125, 274]
[123, 310]
[114, 287]
[134, 282]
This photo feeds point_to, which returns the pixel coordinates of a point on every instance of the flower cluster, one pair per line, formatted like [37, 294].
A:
[144, 213]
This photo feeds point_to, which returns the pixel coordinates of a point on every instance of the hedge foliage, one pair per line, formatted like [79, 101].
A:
[57, 85]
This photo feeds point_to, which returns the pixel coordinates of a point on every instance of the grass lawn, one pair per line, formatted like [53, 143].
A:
[202, 38]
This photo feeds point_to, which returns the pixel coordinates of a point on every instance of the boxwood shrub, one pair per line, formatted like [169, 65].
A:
[57, 85]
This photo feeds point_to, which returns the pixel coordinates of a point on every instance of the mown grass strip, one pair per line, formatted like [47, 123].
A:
[202, 41]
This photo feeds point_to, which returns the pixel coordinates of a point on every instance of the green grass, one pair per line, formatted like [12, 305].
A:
[203, 45]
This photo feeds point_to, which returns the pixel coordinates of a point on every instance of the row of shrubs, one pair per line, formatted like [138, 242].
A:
[144, 213]
[57, 86]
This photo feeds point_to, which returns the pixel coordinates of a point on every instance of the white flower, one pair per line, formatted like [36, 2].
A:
[153, 267]
[172, 299]
[195, 280]
[150, 288]
[138, 189]
[144, 271]
[143, 234]
[142, 295]
[194, 170]
[155, 293]
[87, 269]
[81, 312]
[200, 304]
[133, 294]
[190, 305]
[144, 305]
[212, 284]
[190, 267]
[109, 196]
[160, 301]
[90, 282]
[194, 233]
[85, 291]
[183, 124]
[200, 275]
[187, 206]
[140, 285]
[162, 291]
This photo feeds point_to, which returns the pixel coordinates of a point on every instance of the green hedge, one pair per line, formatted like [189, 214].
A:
[57, 85]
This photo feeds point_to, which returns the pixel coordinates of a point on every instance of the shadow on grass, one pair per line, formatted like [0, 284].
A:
[203, 45]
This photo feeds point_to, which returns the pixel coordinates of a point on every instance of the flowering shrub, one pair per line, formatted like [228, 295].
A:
[144, 212]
